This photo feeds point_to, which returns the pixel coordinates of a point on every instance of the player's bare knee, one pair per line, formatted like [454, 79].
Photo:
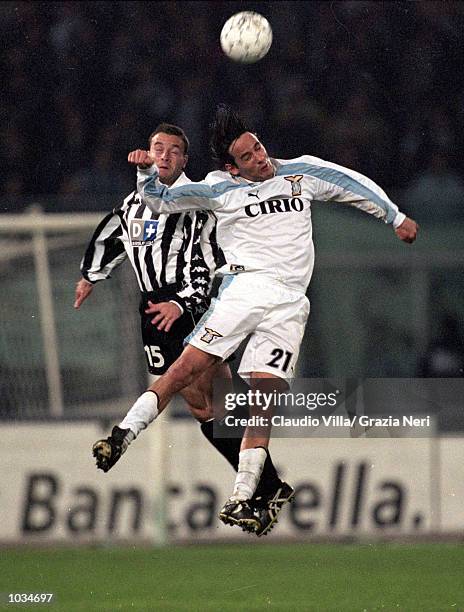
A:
[190, 365]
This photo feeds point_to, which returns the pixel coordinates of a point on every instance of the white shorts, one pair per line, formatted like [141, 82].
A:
[272, 314]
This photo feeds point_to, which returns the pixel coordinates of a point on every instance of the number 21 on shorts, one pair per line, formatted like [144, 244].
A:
[280, 359]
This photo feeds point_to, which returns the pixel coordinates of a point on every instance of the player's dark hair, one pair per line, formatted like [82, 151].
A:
[226, 127]
[173, 130]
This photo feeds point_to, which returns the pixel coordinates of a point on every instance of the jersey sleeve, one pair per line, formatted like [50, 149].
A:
[105, 250]
[161, 199]
[339, 184]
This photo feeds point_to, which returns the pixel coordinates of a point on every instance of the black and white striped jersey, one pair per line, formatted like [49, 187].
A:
[169, 249]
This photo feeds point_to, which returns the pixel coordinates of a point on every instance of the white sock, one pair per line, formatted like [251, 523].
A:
[250, 465]
[142, 413]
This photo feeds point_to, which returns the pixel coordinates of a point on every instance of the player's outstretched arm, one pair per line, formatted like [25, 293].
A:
[407, 231]
[104, 253]
[160, 199]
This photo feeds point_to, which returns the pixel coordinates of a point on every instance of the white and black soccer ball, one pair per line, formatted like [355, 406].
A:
[246, 37]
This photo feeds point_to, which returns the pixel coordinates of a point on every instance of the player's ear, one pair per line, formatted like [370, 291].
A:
[232, 169]
[186, 158]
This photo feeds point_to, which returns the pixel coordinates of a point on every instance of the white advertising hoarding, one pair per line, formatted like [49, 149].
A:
[51, 491]
[344, 487]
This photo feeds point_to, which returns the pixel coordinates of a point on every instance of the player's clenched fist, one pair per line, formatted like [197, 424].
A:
[140, 158]
[407, 231]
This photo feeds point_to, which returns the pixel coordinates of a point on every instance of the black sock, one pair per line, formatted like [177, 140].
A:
[228, 447]
[269, 480]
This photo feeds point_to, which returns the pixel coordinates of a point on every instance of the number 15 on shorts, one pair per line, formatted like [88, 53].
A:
[154, 356]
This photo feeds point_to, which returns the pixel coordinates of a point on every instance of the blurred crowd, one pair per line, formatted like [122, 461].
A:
[376, 86]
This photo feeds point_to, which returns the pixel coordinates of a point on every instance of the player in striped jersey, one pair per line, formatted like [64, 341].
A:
[263, 207]
[174, 257]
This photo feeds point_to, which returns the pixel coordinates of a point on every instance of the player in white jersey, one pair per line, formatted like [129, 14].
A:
[173, 265]
[263, 208]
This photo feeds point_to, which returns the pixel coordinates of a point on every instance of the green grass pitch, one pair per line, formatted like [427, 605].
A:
[249, 577]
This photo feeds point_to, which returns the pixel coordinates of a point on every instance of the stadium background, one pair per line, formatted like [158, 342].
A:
[377, 86]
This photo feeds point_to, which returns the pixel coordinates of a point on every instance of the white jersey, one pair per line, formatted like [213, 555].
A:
[266, 227]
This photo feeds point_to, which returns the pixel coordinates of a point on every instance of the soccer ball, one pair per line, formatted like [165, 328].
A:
[246, 37]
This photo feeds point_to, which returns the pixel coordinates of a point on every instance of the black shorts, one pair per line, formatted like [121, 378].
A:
[163, 348]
